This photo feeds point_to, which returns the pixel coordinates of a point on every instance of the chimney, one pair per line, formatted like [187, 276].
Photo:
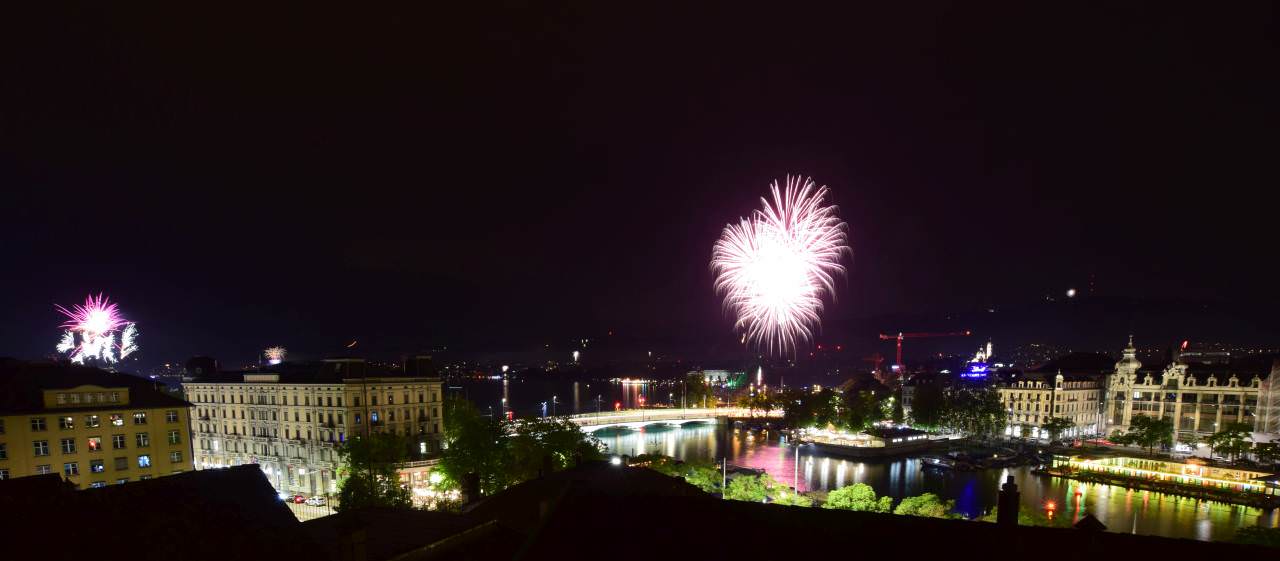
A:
[1007, 505]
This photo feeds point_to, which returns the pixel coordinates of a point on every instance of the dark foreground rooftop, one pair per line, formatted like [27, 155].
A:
[595, 511]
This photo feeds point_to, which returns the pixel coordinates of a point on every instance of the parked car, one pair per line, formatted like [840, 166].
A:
[316, 501]
[299, 499]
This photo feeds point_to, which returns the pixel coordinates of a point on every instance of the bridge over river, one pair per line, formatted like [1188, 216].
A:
[636, 418]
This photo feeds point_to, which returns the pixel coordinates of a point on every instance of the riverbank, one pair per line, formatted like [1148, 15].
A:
[1228, 496]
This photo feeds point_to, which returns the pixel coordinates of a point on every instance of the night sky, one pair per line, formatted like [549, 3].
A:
[508, 177]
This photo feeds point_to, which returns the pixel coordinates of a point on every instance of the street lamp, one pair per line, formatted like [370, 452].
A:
[553, 406]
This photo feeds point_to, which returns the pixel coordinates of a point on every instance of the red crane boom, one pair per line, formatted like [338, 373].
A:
[900, 336]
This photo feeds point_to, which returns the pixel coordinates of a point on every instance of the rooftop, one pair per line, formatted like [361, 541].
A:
[23, 383]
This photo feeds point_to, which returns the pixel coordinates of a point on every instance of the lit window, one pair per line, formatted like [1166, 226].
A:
[96, 466]
[4, 474]
[144, 461]
[92, 421]
[140, 418]
[117, 420]
[66, 423]
[122, 481]
[97, 484]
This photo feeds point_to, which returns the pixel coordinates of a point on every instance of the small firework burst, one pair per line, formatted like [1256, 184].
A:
[275, 355]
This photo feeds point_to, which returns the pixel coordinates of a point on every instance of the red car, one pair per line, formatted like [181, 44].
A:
[299, 499]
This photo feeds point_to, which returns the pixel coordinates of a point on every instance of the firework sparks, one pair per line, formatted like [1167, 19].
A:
[90, 331]
[775, 267]
[275, 355]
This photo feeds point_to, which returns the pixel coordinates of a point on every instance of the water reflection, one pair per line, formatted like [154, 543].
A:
[1122, 510]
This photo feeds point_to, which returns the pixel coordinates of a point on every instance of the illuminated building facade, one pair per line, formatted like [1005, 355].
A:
[1199, 398]
[291, 419]
[94, 428]
[1031, 400]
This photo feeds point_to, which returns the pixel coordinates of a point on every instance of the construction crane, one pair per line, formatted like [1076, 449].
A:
[900, 336]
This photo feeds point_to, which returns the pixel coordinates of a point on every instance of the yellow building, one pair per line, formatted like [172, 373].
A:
[94, 427]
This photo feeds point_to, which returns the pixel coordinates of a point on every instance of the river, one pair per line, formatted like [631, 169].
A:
[1120, 509]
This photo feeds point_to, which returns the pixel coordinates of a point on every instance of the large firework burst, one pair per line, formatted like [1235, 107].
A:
[775, 267]
[275, 355]
[91, 328]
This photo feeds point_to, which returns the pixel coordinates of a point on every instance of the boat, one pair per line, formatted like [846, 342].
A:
[937, 463]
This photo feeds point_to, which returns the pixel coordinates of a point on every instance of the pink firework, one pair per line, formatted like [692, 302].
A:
[775, 267]
[97, 316]
[91, 331]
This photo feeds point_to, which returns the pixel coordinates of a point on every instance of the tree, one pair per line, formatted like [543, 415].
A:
[747, 488]
[474, 444]
[1055, 426]
[792, 499]
[371, 479]
[539, 446]
[698, 393]
[1268, 453]
[862, 409]
[1147, 432]
[860, 497]
[1233, 440]
[928, 406]
[1191, 439]
[976, 411]
[928, 505]
[897, 415]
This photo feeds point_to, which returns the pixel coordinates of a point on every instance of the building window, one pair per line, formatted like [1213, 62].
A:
[357, 418]
[170, 416]
[43, 469]
[175, 457]
[140, 418]
[66, 423]
[75, 398]
[115, 397]
[339, 401]
[122, 481]
[62, 399]
[4, 451]
[144, 461]
[173, 437]
[41, 447]
[143, 439]
[117, 441]
[92, 421]
[96, 466]
[144, 478]
[117, 420]
[95, 443]
[97, 484]
[1, 426]
[37, 424]
[122, 464]
[68, 446]
[70, 468]
[4, 474]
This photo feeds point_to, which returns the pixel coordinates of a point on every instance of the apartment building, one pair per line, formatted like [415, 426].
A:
[291, 419]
